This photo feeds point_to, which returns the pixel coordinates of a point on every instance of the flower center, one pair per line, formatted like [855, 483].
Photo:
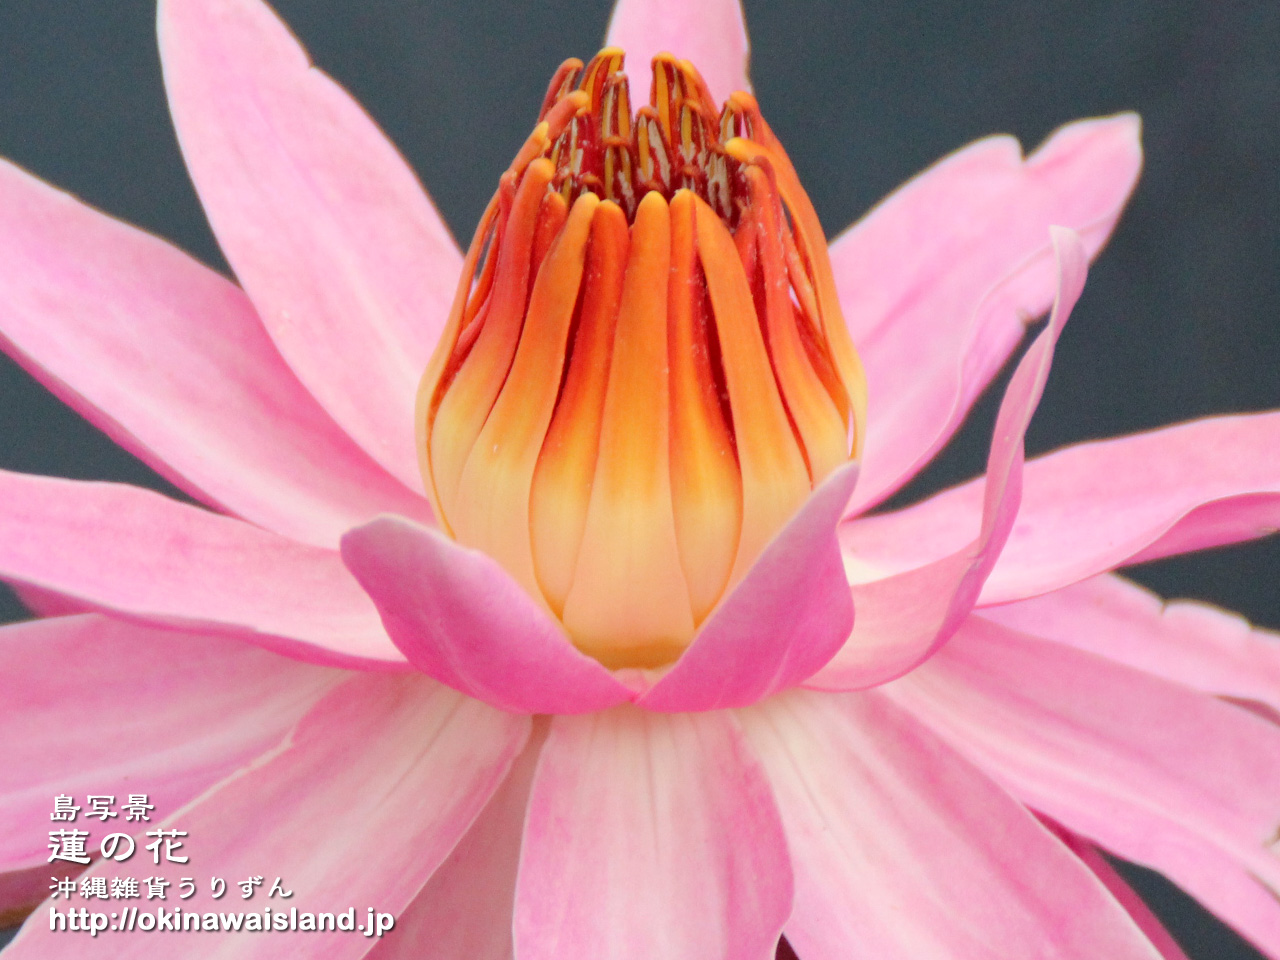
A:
[645, 372]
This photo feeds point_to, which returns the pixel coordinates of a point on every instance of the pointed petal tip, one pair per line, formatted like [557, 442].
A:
[1122, 129]
[1133, 120]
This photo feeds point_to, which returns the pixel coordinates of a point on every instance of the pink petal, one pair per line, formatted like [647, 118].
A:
[1154, 772]
[465, 909]
[357, 809]
[1230, 520]
[136, 553]
[325, 225]
[904, 850]
[456, 615]
[1096, 506]
[901, 619]
[938, 282]
[1115, 884]
[1193, 644]
[709, 33]
[94, 705]
[784, 621]
[650, 836]
[171, 361]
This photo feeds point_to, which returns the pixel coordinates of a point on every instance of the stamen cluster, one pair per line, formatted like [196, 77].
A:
[646, 372]
[674, 142]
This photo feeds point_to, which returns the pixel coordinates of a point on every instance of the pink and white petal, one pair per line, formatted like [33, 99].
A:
[171, 360]
[466, 908]
[457, 616]
[899, 620]
[1194, 644]
[784, 620]
[1095, 506]
[902, 849]
[325, 225]
[1154, 772]
[650, 836]
[146, 557]
[358, 808]
[102, 706]
[1147, 921]
[711, 34]
[937, 283]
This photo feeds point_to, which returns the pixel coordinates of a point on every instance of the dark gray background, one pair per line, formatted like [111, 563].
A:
[1179, 319]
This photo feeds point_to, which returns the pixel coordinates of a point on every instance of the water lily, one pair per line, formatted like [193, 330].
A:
[539, 601]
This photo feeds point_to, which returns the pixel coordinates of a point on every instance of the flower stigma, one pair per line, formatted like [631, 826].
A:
[645, 372]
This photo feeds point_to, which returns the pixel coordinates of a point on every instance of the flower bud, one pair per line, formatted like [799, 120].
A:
[645, 372]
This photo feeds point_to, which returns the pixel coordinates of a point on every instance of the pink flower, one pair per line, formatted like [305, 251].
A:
[907, 734]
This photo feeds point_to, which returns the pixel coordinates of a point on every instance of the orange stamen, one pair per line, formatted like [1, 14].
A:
[706, 485]
[775, 480]
[491, 507]
[462, 410]
[819, 424]
[629, 601]
[566, 468]
[813, 249]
